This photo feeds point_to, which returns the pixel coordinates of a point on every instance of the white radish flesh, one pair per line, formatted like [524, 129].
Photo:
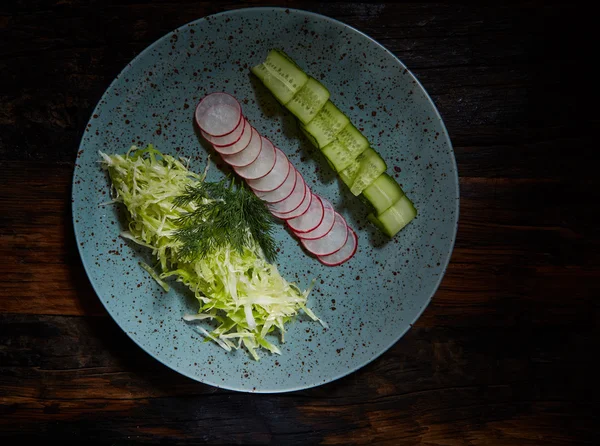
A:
[240, 144]
[276, 177]
[261, 165]
[310, 219]
[230, 138]
[325, 225]
[301, 209]
[294, 200]
[218, 114]
[331, 242]
[248, 155]
[283, 191]
[344, 254]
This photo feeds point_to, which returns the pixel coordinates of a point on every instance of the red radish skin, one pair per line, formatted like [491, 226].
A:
[300, 209]
[331, 242]
[261, 165]
[344, 254]
[240, 144]
[276, 177]
[310, 219]
[218, 114]
[325, 225]
[248, 155]
[293, 201]
[283, 191]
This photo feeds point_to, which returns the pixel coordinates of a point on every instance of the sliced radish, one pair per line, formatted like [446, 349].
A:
[276, 177]
[344, 254]
[218, 114]
[294, 200]
[262, 165]
[248, 155]
[283, 191]
[324, 227]
[239, 145]
[301, 209]
[311, 218]
[331, 242]
[227, 140]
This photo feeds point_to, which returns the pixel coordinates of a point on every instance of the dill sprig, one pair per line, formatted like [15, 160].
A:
[224, 214]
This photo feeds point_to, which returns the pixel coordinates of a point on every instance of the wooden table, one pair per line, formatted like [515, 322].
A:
[503, 355]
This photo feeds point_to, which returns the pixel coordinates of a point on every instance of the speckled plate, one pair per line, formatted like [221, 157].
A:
[369, 302]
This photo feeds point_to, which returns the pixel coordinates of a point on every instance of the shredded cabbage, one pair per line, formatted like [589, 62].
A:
[243, 294]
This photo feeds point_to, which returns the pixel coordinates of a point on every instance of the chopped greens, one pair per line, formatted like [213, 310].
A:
[171, 210]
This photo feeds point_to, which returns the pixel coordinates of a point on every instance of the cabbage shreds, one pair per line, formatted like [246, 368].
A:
[238, 290]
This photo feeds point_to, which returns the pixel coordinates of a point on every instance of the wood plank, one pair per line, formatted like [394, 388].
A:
[64, 374]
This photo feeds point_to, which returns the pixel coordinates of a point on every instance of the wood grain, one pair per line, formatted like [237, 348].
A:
[504, 353]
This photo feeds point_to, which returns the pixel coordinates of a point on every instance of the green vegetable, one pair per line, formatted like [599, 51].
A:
[223, 215]
[238, 290]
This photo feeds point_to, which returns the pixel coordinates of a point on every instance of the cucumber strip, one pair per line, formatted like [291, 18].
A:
[396, 217]
[383, 193]
[338, 155]
[353, 140]
[371, 166]
[349, 173]
[308, 101]
[280, 75]
[326, 124]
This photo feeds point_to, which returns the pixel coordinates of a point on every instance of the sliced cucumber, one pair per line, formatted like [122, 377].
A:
[326, 124]
[311, 138]
[338, 155]
[376, 222]
[397, 216]
[280, 75]
[371, 166]
[383, 193]
[349, 173]
[308, 101]
[354, 141]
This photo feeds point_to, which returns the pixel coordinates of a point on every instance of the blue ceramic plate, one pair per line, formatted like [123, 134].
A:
[370, 301]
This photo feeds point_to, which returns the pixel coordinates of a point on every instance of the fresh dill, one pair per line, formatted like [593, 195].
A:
[225, 214]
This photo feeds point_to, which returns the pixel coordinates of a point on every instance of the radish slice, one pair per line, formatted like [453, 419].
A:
[294, 200]
[248, 155]
[300, 209]
[218, 114]
[311, 218]
[276, 177]
[283, 191]
[344, 254]
[240, 144]
[262, 165]
[325, 225]
[230, 138]
[331, 242]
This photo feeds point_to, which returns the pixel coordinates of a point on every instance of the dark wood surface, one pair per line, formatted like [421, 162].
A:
[504, 354]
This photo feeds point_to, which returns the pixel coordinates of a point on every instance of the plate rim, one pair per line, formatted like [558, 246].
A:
[410, 322]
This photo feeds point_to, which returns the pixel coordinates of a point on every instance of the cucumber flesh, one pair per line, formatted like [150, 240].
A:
[349, 173]
[326, 124]
[338, 155]
[354, 141]
[281, 76]
[309, 100]
[383, 193]
[371, 166]
[397, 216]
